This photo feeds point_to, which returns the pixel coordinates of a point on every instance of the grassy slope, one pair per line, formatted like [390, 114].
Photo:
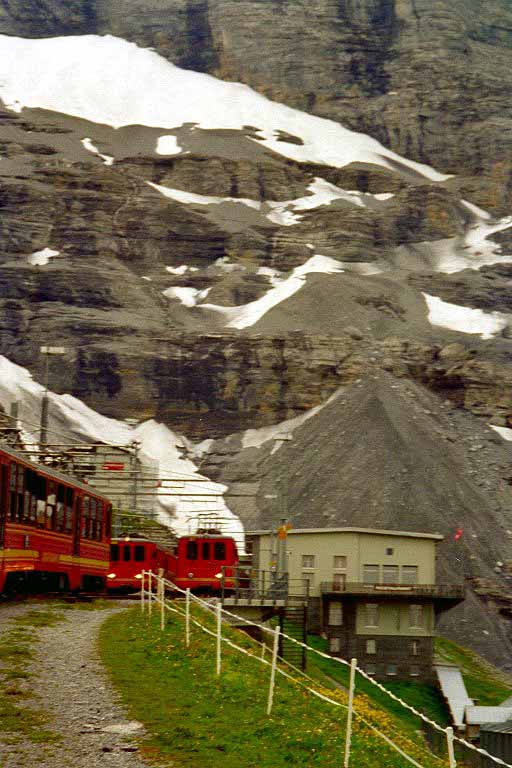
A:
[484, 683]
[197, 720]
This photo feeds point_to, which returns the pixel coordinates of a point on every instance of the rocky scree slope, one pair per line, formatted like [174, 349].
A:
[386, 453]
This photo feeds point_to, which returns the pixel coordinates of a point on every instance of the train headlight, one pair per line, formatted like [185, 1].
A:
[190, 575]
[111, 575]
[218, 575]
[138, 575]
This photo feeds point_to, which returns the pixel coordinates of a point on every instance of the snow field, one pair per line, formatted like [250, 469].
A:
[114, 82]
[464, 319]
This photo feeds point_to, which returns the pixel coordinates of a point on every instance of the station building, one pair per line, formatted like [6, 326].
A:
[371, 593]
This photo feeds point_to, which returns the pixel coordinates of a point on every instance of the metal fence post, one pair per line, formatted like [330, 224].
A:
[150, 592]
[273, 670]
[142, 588]
[348, 734]
[219, 635]
[451, 753]
[187, 617]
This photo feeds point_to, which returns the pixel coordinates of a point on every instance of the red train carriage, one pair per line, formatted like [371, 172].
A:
[54, 530]
[196, 562]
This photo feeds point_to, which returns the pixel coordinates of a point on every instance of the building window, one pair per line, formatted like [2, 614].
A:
[371, 646]
[335, 614]
[416, 618]
[371, 574]
[308, 561]
[390, 574]
[389, 550]
[335, 644]
[340, 562]
[415, 671]
[371, 615]
[338, 582]
[309, 579]
[409, 574]
[391, 669]
[371, 669]
[415, 648]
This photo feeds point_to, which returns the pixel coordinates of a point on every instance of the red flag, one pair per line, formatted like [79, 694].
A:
[458, 534]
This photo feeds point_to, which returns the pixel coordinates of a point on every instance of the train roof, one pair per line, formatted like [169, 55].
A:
[53, 473]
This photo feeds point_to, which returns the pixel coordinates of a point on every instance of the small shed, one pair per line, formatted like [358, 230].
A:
[478, 717]
[496, 738]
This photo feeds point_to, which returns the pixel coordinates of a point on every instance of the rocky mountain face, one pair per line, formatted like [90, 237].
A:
[429, 79]
[184, 284]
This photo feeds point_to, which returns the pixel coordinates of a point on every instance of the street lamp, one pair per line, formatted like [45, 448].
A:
[283, 526]
[47, 351]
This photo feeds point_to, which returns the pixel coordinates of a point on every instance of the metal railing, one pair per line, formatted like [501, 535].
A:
[449, 591]
[256, 587]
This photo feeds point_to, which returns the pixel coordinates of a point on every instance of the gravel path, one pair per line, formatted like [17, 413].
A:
[71, 687]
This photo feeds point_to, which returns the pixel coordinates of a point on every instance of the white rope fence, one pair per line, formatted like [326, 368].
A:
[147, 597]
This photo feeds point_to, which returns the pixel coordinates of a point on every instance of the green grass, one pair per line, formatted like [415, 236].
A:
[198, 720]
[423, 697]
[484, 683]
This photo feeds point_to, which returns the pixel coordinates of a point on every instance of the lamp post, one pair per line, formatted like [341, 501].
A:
[47, 351]
[283, 525]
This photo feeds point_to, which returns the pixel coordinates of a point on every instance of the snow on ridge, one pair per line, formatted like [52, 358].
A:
[89, 146]
[464, 319]
[41, 258]
[191, 198]
[247, 314]
[114, 82]
[69, 417]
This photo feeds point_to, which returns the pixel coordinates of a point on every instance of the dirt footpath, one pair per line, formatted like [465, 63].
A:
[69, 685]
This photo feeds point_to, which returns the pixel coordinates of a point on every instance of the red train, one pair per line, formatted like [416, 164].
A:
[196, 562]
[54, 530]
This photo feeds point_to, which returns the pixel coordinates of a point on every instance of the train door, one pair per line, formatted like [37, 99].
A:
[3, 503]
[77, 524]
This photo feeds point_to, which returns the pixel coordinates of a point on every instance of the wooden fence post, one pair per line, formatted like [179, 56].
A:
[187, 617]
[150, 592]
[348, 734]
[451, 753]
[273, 670]
[142, 588]
[219, 634]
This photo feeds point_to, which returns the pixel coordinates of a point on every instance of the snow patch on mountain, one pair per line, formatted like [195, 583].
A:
[246, 315]
[108, 80]
[505, 432]
[464, 319]
[41, 258]
[168, 145]
[89, 146]
[71, 421]
[189, 297]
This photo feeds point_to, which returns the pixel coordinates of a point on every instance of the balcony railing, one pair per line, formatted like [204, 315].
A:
[449, 591]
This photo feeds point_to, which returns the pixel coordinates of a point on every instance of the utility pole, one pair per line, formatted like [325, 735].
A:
[135, 445]
[47, 351]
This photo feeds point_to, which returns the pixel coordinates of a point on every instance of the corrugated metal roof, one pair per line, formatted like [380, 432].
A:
[379, 531]
[479, 715]
[507, 702]
[505, 727]
[454, 691]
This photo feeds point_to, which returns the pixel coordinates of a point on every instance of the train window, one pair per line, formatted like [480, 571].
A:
[139, 553]
[12, 492]
[108, 521]
[51, 502]
[85, 518]
[68, 510]
[100, 520]
[191, 550]
[219, 550]
[126, 553]
[205, 550]
[114, 553]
